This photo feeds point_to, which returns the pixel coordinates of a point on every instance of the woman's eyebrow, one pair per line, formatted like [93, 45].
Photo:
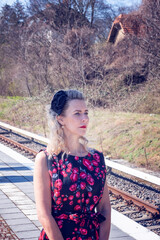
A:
[76, 110]
[86, 110]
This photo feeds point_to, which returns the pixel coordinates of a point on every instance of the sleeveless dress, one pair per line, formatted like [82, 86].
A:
[77, 185]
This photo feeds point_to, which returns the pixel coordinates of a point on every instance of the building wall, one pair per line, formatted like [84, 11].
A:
[120, 36]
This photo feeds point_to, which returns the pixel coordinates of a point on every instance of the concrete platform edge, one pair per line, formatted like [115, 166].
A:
[132, 228]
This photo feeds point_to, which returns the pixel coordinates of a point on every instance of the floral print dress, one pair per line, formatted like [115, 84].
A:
[77, 185]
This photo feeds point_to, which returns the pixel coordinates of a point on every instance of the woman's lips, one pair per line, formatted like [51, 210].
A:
[83, 126]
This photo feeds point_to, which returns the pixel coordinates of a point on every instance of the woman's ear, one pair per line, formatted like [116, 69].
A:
[60, 120]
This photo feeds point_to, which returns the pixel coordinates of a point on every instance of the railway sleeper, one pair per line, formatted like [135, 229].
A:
[117, 205]
[155, 227]
[25, 141]
[129, 212]
[131, 208]
[7, 132]
[144, 218]
[115, 198]
[126, 206]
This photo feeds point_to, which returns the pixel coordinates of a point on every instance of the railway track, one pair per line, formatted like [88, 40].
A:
[18, 145]
[28, 146]
[144, 210]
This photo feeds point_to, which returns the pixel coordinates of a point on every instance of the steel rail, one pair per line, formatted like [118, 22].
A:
[24, 132]
[137, 201]
[19, 145]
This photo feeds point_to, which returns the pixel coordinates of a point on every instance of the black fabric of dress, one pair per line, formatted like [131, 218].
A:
[77, 185]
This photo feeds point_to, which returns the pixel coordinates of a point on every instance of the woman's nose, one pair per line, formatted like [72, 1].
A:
[85, 118]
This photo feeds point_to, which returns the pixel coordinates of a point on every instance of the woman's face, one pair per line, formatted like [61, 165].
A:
[75, 119]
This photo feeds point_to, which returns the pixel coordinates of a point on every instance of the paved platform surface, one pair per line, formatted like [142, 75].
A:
[17, 205]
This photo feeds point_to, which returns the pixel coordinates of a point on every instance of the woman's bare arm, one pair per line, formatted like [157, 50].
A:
[104, 208]
[42, 193]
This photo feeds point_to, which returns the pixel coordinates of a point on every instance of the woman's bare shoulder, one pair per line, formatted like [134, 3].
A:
[40, 157]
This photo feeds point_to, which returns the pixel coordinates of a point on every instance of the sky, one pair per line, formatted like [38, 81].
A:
[10, 2]
[113, 2]
[127, 3]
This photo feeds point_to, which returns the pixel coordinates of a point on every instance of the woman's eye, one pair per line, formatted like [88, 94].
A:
[78, 113]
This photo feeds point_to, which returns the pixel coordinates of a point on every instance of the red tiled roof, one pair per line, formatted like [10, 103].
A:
[132, 24]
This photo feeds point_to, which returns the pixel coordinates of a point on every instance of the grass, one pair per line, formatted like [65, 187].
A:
[131, 136]
[134, 137]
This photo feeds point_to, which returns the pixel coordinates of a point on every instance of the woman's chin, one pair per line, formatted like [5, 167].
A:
[83, 133]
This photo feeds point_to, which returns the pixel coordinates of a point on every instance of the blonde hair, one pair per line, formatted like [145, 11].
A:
[56, 138]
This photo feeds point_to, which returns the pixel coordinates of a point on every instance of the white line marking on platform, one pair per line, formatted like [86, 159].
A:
[132, 228]
[17, 156]
[133, 172]
[24, 132]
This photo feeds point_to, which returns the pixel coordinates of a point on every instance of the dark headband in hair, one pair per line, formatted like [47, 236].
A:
[58, 102]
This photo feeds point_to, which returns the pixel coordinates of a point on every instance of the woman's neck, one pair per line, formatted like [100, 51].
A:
[74, 147]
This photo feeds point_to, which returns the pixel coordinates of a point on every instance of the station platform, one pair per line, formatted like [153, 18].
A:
[17, 205]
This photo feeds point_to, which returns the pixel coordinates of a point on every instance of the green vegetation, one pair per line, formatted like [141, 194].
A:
[15, 98]
[7, 104]
[131, 136]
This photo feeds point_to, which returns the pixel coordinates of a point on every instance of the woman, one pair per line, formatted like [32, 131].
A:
[70, 186]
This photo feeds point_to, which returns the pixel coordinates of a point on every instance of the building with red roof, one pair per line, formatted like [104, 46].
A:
[124, 24]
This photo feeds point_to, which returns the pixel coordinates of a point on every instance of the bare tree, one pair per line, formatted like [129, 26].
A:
[11, 21]
[149, 41]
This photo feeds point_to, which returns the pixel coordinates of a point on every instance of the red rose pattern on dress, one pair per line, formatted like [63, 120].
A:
[77, 185]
